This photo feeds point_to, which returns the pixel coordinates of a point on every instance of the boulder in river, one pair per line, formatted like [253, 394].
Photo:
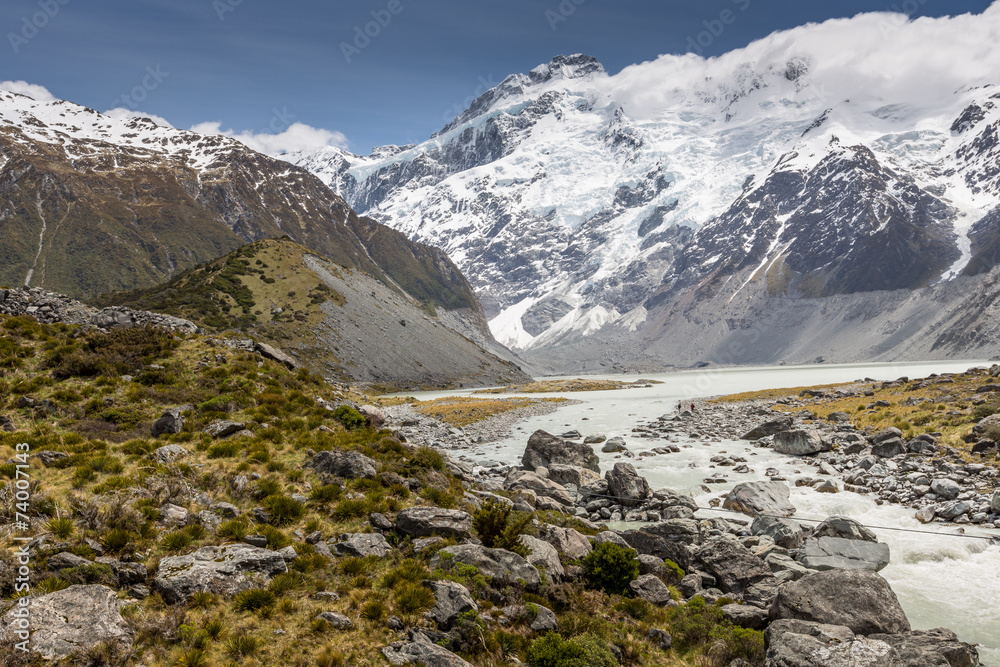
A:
[734, 567]
[626, 485]
[887, 449]
[859, 599]
[800, 442]
[525, 480]
[785, 532]
[769, 428]
[575, 475]
[830, 553]
[544, 449]
[845, 527]
[755, 498]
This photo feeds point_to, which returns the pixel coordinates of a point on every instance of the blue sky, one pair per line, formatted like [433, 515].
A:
[258, 65]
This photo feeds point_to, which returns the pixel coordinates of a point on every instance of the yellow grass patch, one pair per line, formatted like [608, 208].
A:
[465, 410]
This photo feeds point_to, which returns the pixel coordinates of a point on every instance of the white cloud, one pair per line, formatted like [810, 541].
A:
[33, 90]
[121, 112]
[873, 59]
[297, 137]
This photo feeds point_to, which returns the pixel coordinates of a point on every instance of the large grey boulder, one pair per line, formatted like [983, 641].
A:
[785, 532]
[755, 498]
[541, 554]
[428, 521]
[274, 354]
[769, 428]
[734, 567]
[838, 553]
[995, 502]
[889, 448]
[349, 465]
[938, 647]
[169, 453]
[422, 651]
[224, 570]
[544, 449]
[73, 619]
[451, 599]
[538, 618]
[498, 565]
[946, 488]
[374, 417]
[859, 599]
[626, 485]
[362, 544]
[575, 475]
[886, 434]
[172, 421]
[745, 616]
[223, 428]
[525, 480]
[614, 445]
[651, 589]
[567, 541]
[800, 442]
[845, 527]
[335, 619]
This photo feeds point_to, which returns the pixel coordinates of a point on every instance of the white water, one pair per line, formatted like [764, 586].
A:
[941, 580]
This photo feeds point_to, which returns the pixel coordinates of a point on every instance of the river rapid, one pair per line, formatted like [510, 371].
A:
[945, 579]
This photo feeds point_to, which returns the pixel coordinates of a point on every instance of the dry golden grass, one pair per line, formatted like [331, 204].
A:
[465, 410]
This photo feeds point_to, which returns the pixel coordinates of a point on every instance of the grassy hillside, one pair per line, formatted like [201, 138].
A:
[93, 398]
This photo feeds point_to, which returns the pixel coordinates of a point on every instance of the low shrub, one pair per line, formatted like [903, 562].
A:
[585, 650]
[349, 417]
[498, 526]
[610, 568]
[253, 599]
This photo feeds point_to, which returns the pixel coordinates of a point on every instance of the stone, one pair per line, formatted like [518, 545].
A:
[169, 453]
[74, 619]
[451, 599]
[945, 488]
[48, 457]
[221, 428]
[690, 585]
[745, 616]
[829, 553]
[171, 421]
[755, 498]
[65, 559]
[785, 532]
[274, 354]
[349, 465]
[575, 475]
[224, 570]
[335, 619]
[614, 445]
[650, 588]
[226, 510]
[769, 428]
[954, 509]
[995, 503]
[544, 449]
[520, 480]
[362, 544]
[844, 527]
[539, 618]
[428, 521]
[174, 515]
[380, 522]
[785, 568]
[568, 541]
[374, 417]
[671, 498]
[422, 652]
[422, 543]
[649, 564]
[544, 557]
[838, 417]
[498, 565]
[930, 648]
[887, 434]
[887, 449]
[610, 536]
[662, 638]
[626, 485]
[800, 442]
[859, 599]
[734, 567]
[7, 424]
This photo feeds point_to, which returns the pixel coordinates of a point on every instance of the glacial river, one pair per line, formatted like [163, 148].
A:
[942, 579]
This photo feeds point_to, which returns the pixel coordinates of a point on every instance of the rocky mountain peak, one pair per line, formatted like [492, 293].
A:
[576, 66]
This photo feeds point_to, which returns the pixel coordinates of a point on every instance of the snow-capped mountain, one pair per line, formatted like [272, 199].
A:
[583, 205]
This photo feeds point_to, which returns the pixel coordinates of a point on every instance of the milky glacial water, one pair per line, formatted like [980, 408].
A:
[942, 579]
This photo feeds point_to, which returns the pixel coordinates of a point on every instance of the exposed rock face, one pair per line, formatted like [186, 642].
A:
[746, 616]
[223, 570]
[172, 421]
[49, 308]
[498, 565]
[544, 449]
[73, 619]
[772, 427]
[735, 568]
[755, 498]
[451, 599]
[858, 599]
[349, 465]
[422, 651]
[829, 553]
[428, 521]
[362, 544]
[650, 588]
[625, 484]
[274, 354]
[800, 443]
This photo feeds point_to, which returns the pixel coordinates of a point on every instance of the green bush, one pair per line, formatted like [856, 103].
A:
[253, 599]
[610, 568]
[699, 624]
[498, 526]
[585, 650]
[283, 510]
[349, 417]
